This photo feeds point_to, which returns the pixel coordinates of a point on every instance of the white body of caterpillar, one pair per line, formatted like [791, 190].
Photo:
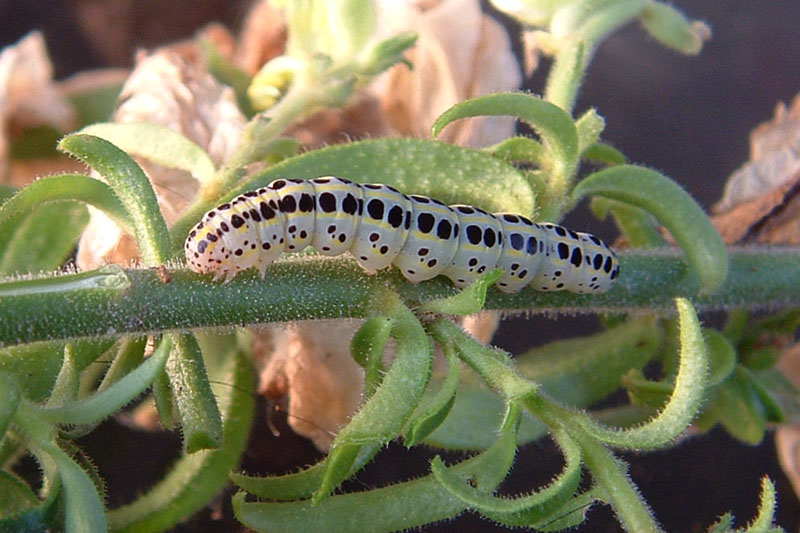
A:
[380, 226]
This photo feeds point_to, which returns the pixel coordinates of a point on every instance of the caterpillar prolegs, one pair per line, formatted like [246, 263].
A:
[380, 226]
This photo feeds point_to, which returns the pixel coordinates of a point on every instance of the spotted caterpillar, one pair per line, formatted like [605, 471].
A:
[380, 226]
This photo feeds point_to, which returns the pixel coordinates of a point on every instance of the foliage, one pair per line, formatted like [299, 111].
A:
[54, 327]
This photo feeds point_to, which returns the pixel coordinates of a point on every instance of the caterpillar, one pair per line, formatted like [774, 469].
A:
[380, 226]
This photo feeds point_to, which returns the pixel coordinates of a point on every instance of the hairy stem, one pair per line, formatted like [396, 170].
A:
[114, 301]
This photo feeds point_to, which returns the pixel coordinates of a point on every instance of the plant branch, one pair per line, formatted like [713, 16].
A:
[112, 301]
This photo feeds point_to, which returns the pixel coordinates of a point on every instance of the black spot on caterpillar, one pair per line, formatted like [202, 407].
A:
[380, 226]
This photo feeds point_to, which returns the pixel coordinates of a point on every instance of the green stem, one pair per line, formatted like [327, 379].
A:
[576, 51]
[566, 74]
[137, 301]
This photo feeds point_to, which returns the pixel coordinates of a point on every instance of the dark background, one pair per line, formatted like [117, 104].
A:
[688, 117]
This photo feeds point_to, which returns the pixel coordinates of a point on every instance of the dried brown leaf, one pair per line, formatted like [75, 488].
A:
[460, 53]
[166, 88]
[774, 158]
[760, 203]
[28, 95]
[310, 364]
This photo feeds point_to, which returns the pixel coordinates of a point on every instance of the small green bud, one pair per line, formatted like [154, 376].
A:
[272, 81]
[672, 29]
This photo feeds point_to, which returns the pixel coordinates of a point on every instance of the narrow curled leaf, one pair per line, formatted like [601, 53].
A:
[639, 227]
[400, 506]
[589, 127]
[195, 479]
[83, 507]
[603, 153]
[527, 510]
[67, 383]
[367, 349]
[129, 356]
[766, 508]
[468, 301]
[41, 240]
[671, 28]
[686, 398]
[158, 144]
[437, 409]
[67, 187]
[191, 390]
[721, 356]
[132, 188]
[17, 498]
[580, 372]
[736, 406]
[100, 405]
[298, 485]
[673, 207]
[553, 124]
[383, 416]
[493, 365]
[440, 170]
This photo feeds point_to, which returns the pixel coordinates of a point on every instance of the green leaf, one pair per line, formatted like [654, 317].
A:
[580, 372]
[772, 408]
[639, 227]
[554, 125]
[382, 417]
[527, 510]
[686, 398]
[158, 144]
[67, 187]
[765, 519]
[65, 389]
[603, 153]
[129, 356]
[400, 506]
[10, 396]
[83, 506]
[736, 405]
[722, 356]
[191, 390]
[102, 404]
[669, 27]
[468, 301]
[299, 485]
[589, 126]
[17, 497]
[97, 103]
[35, 366]
[673, 207]
[42, 240]
[433, 412]
[571, 514]
[473, 417]
[386, 53]
[518, 149]
[448, 173]
[367, 349]
[131, 186]
[196, 479]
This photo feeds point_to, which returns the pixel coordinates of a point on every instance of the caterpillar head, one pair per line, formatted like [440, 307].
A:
[206, 250]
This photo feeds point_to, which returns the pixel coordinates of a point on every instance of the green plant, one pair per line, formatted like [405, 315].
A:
[54, 327]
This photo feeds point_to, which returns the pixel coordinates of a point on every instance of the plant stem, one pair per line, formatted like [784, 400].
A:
[69, 306]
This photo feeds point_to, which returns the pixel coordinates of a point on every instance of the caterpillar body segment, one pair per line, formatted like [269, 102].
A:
[380, 226]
